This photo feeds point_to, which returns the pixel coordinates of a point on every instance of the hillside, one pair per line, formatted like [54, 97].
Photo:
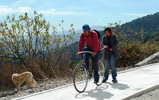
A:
[149, 23]
[152, 38]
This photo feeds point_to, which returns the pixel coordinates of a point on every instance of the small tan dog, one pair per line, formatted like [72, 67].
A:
[19, 79]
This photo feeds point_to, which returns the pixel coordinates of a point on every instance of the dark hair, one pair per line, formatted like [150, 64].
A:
[108, 29]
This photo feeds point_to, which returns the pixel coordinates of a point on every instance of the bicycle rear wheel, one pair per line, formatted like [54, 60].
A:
[80, 79]
[101, 71]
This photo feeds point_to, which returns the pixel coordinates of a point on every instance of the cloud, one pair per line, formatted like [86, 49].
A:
[23, 9]
[99, 20]
[54, 12]
[6, 10]
[134, 14]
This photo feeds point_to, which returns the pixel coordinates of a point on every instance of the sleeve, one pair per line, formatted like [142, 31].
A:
[96, 42]
[115, 42]
[103, 43]
[81, 42]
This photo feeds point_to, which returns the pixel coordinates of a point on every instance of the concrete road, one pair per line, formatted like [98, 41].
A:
[131, 83]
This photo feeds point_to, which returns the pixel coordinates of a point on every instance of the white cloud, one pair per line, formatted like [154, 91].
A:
[134, 14]
[23, 9]
[99, 20]
[6, 10]
[111, 3]
[54, 12]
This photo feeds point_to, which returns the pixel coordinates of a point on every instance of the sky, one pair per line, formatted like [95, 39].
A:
[80, 12]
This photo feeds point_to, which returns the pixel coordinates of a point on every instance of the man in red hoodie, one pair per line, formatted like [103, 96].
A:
[93, 45]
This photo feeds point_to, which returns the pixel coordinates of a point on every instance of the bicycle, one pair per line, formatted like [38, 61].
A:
[81, 74]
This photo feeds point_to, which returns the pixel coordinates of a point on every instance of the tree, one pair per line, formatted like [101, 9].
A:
[27, 38]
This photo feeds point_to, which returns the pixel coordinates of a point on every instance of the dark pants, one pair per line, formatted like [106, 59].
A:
[95, 60]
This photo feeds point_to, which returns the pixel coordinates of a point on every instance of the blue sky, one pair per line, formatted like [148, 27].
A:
[79, 12]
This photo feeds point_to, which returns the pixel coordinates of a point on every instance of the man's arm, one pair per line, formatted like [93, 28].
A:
[96, 43]
[81, 42]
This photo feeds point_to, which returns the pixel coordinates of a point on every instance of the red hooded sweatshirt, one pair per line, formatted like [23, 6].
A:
[91, 41]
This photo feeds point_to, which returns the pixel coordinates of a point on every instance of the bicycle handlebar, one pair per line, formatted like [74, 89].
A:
[85, 52]
[88, 51]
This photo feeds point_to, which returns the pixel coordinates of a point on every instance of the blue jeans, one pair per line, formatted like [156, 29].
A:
[95, 60]
[111, 60]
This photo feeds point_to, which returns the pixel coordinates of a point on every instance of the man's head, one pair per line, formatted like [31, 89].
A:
[86, 29]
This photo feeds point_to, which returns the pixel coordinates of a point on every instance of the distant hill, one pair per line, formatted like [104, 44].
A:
[149, 23]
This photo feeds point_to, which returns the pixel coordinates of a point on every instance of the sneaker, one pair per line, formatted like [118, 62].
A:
[104, 81]
[95, 82]
[114, 81]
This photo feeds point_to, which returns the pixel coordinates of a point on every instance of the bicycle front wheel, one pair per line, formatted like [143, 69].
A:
[101, 71]
[80, 79]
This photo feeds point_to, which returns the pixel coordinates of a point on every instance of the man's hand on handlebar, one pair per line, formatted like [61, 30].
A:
[106, 47]
[77, 54]
[94, 53]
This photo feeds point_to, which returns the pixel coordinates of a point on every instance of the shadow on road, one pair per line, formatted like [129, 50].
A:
[98, 93]
[119, 86]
